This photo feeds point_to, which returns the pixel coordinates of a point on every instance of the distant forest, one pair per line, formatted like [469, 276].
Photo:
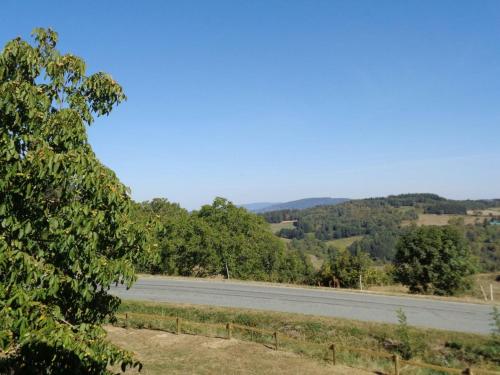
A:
[381, 221]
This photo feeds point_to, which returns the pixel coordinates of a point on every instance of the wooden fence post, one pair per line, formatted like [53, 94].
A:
[491, 292]
[484, 293]
[228, 328]
[334, 354]
[395, 359]
[177, 326]
[275, 340]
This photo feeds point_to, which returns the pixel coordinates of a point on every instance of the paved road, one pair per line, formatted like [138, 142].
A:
[455, 316]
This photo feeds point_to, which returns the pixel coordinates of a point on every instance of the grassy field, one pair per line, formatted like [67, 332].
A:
[276, 227]
[163, 352]
[315, 334]
[433, 219]
[343, 243]
[494, 211]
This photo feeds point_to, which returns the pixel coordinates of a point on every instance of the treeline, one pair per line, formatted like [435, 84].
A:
[223, 240]
[484, 240]
[280, 215]
[433, 203]
[351, 219]
[219, 239]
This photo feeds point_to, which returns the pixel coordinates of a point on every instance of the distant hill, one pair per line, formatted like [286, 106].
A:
[293, 205]
[257, 206]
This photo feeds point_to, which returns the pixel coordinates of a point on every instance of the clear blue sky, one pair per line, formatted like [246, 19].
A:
[279, 100]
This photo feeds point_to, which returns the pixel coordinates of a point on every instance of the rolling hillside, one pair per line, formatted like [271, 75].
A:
[374, 225]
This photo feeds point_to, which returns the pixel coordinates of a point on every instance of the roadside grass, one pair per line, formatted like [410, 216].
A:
[343, 243]
[315, 334]
[473, 295]
[485, 280]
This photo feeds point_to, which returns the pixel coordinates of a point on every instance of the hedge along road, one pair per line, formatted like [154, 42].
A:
[422, 312]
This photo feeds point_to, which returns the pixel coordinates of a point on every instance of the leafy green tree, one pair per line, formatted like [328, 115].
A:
[219, 239]
[164, 224]
[65, 234]
[243, 243]
[431, 259]
[296, 268]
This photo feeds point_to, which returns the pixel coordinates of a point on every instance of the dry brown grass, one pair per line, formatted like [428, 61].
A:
[473, 295]
[433, 219]
[485, 280]
[315, 261]
[486, 213]
[163, 352]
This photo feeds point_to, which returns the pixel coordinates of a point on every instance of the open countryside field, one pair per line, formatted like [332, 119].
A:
[440, 220]
[163, 352]
[472, 217]
[494, 211]
[276, 227]
[343, 243]
[433, 219]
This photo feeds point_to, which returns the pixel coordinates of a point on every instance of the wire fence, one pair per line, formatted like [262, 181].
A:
[334, 353]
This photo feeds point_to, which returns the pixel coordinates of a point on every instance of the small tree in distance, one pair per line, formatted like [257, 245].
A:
[432, 259]
[65, 234]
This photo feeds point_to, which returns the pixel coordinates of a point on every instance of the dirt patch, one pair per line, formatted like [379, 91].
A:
[162, 353]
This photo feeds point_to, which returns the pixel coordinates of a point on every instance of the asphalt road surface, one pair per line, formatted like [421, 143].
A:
[454, 316]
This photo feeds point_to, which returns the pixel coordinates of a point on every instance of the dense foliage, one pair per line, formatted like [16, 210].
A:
[432, 259]
[224, 240]
[281, 215]
[65, 232]
[484, 239]
[343, 269]
[351, 219]
[219, 239]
